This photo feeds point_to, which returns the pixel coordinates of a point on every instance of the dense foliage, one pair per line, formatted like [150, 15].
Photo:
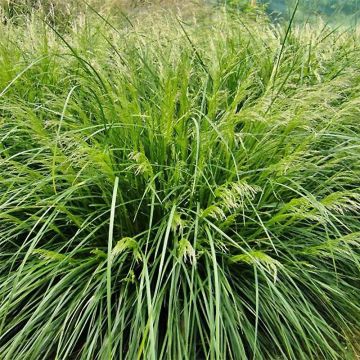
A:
[178, 189]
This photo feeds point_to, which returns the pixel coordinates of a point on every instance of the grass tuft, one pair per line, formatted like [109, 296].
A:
[178, 188]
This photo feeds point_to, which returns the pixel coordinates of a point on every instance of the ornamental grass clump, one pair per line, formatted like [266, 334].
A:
[178, 188]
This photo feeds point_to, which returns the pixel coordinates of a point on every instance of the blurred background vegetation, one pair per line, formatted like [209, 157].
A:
[334, 11]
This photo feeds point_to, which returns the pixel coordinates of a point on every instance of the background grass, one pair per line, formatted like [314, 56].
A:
[178, 188]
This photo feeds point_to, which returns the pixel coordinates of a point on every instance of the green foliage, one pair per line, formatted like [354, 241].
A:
[178, 190]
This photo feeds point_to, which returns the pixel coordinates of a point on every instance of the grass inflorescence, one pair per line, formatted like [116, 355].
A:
[178, 188]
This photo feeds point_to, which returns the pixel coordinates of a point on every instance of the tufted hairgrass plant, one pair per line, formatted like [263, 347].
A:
[178, 188]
